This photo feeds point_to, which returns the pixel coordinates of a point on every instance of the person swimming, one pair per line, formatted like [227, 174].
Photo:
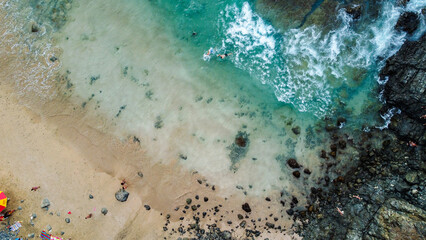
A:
[211, 51]
[224, 55]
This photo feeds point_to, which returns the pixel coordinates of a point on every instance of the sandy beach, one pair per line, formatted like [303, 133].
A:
[69, 164]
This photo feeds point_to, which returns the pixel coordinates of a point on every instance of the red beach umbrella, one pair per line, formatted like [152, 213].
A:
[3, 201]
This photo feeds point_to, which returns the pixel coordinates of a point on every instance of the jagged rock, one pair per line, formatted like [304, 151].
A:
[408, 22]
[406, 89]
[398, 219]
[121, 195]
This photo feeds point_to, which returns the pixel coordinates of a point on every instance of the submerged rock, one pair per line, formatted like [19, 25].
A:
[121, 195]
[293, 163]
[239, 148]
[354, 11]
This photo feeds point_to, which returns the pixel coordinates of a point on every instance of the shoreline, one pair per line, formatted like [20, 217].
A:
[71, 160]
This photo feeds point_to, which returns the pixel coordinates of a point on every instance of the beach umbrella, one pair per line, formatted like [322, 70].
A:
[3, 201]
[45, 235]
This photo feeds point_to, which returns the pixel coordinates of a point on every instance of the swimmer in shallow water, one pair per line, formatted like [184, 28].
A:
[224, 55]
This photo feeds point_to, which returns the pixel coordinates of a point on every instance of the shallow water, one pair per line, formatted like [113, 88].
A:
[141, 67]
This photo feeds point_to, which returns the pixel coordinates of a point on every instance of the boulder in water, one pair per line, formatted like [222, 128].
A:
[408, 22]
[293, 163]
[121, 195]
[354, 11]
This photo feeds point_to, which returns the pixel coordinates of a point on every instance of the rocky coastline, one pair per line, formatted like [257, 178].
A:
[383, 195]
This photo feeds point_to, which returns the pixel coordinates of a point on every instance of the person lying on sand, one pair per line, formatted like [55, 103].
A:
[88, 216]
[35, 188]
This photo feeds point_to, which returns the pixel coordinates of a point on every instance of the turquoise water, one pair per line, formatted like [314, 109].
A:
[142, 67]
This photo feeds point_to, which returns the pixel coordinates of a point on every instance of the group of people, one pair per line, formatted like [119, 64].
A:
[211, 51]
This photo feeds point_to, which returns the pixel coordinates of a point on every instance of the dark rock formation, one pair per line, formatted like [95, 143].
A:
[398, 218]
[354, 10]
[121, 195]
[293, 163]
[406, 89]
[408, 22]
[239, 147]
[246, 207]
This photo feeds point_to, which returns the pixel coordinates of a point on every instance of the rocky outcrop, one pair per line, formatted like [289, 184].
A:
[406, 89]
[398, 218]
[408, 22]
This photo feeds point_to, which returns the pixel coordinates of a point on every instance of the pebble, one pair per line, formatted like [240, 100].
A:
[188, 201]
[19, 208]
[62, 233]
[240, 216]
[67, 220]
[49, 228]
[140, 174]
[58, 214]
[90, 196]
[104, 211]
[31, 235]
[206, 199]
[147, 207]
[34, 215]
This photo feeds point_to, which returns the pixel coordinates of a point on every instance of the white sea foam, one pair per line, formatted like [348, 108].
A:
[387, 117]
[304, 65]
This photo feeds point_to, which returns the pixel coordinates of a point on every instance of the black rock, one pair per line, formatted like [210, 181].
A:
[408, 22]
[293, 163]
[290, 211]
[296, 174]
[405, 90]
[270, 225]
[307, 171]
[354, 11]
[67, 220]
[296, 130]
[246, 207]
[90, 196]
[147, 207]
[121, 195]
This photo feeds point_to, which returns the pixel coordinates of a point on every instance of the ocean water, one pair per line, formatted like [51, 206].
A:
[141, 67]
